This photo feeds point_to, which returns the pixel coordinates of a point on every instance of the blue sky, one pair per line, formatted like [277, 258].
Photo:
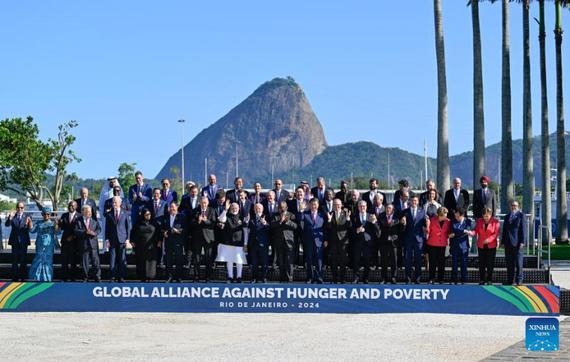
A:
[127, 70]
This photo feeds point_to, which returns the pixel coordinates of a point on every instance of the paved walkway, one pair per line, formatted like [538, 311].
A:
[518, 352]
[560, 271]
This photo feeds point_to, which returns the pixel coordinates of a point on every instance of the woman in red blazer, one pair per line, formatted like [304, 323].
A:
[438, 236]
[487, 231]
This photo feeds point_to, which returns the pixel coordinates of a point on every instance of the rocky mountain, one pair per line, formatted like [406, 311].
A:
[276, 119]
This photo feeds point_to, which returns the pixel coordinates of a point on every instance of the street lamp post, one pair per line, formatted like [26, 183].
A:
[182, 122]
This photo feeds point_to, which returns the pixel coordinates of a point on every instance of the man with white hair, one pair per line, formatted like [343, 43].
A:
[117, 239]
[86, 230]
[456, 197]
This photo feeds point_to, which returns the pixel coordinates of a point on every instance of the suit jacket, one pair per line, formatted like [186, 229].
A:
[233, 227]
[210, 191]
[117, 229]
[451, 204]
[157, 212]
[398, 208]
[478, 202]
[313, 232]
[315, 193]
[437, 234]
[203, 233]
[179, 224]
[19, 234]
[352, 206]
[252, 198]
[169, 197]
[292, 206]
[269, 215]
[371, 230]
[376, 210]
[390, 233]
[109, 206]
[414, 229]
[87, 242]
[258, 233]
[366, 197]
[342, 196]
[233, 196]
[67, 226]
[140, 202]
[325, 208]
[398, 195]
[245, 209]
[338, 232]
[460, 240]
[284, 231]
[186, 205]
[515, 230]
[490, 233]
[284, 196]
[89, 202]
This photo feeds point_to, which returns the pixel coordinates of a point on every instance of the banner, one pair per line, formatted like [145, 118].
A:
[529, 300]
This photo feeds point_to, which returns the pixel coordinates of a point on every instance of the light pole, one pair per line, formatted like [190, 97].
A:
[182, 122]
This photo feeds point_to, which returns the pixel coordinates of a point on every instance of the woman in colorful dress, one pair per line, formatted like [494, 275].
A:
[46, 229]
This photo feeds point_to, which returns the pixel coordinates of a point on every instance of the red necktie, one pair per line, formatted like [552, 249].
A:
[117, 216]
[87, 223]
[156, 207]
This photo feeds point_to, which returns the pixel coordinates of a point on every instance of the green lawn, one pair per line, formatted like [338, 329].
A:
[557, 252]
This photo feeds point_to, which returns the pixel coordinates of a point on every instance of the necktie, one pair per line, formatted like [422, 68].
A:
[337, 217]
[156, 207]
[362, 219]
[87, 223]
[116, 215]
[414, 214]
[484, 196]
[314, 218]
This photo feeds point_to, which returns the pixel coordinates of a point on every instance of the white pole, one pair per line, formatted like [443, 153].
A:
[182, 121]
[205, 171]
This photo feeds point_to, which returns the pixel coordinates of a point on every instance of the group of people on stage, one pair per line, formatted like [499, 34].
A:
[313, 227]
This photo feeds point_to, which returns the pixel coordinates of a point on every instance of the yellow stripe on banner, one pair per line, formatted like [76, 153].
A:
[7, 293]
[539, 303]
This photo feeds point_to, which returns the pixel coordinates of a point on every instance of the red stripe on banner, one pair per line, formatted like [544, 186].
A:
[550, 298]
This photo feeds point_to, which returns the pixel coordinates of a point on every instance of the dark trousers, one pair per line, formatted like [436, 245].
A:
[286, 260]
[413, 256]
[90, 257]
[259, 258]
[69, 255]
[146, 261]
[313, 261]
[514, 257]
[19, 254]
[459, 259]
[339, 258]
[174, 255]
[361, 252]
[486, 263]
[118, 260]
[436, 261]
[400, 260]
[207, 258]
[374, 251]
[388, 256]
[297, 256]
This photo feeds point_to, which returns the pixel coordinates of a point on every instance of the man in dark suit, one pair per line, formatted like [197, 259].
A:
[366, 232]
[515, 234]
[69, 244]
[108, 206]
[167, 194]
[280, 193]
[390, 241]
[403, 186]
[430, 185]
[211, 189]
[298, 206]
[256, 197]
[369, 195]
[86, 230]
[270, 209]
[283, 226]
[84, 199]
[338, 225]
[456, 198]
[174, 229]
[343, 195]
[233, 194]
[312, 227]
[20, 224]
[484, 198]
[326, 205]
[190, 200]
[245, 206]
[414, 238]
[116, 239]
[139, 195]
[352, 203]
[402, 203]
[258, 245]
[203, 236]
[319, 190]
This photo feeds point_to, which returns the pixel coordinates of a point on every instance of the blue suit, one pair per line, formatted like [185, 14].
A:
[169, 197]
[19, 240]
[210, 192]
[258, 247]
[515, 234]
[117, 232]
[313, 236]
[140, 202]
[459, 247]
[414, 238]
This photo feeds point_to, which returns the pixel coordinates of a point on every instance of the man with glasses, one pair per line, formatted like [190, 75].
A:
[515, 234]
[280, 193]
[168, 195]
[19, 240]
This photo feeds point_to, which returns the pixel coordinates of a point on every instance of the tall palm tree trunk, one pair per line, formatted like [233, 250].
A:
[478, 114]
[528, 174]
[443, 174]
[546, 215]
[561, 204]
[506, 138]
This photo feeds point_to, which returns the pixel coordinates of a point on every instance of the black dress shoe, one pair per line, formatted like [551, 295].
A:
[417, 281]
[365, 281]
[355, 281]
[383, 282]
[518, 283]
[230, 280]
[319, 281]
[431, 282]
[408, 280]
[238, 280]
[253, 281]
[309, 282]
[265, 280]
[393, 280]
[169, 280]
[121, 280]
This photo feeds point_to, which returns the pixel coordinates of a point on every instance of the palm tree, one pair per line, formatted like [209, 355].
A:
[506, 136]
[528, 174]
[545, 150]
[561, 204]
[443, 174]
[478, 115]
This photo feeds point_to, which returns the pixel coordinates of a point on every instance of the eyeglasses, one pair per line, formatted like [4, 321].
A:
[20, 207]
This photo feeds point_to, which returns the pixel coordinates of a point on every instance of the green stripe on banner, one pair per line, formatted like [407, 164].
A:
[13, 303]
[522, 297]
[17, 293]
[507, 297]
